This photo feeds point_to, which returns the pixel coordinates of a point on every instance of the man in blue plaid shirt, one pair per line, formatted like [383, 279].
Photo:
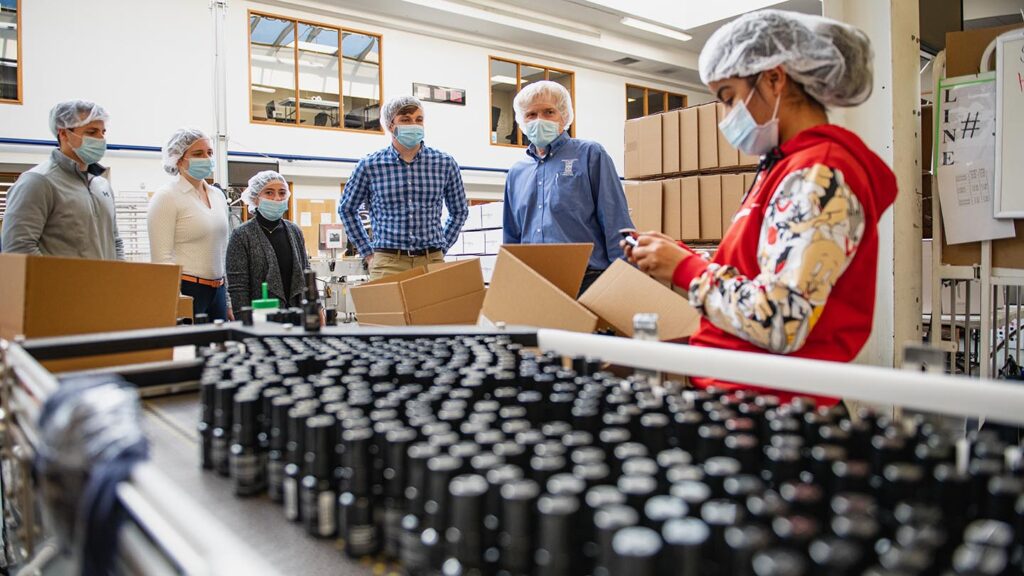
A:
[404, 186]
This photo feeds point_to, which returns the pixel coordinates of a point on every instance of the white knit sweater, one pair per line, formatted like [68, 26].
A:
[183, 231]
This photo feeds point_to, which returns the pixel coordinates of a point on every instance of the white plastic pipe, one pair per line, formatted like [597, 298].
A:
[954, 395]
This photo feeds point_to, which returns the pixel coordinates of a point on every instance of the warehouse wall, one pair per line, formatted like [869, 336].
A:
[152, 68]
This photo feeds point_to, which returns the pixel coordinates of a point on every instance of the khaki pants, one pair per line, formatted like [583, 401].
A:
[385, 264]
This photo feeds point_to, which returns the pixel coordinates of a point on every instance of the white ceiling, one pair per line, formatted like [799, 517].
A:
[583, 29]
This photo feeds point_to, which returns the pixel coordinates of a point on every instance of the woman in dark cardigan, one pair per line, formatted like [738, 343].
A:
[267, 248]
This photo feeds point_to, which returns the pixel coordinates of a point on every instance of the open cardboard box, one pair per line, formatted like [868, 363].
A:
[537, 284]
[443, 293]
[43, 296]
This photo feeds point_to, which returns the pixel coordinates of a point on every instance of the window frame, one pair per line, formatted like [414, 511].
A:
[647, 91]
[341, 75]
[519, 80]
[20, 62]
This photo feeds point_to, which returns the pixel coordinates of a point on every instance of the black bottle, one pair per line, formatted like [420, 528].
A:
[355, 505]
[413, 556]
[608, 519]
[294, 459]
[440, 471]
[518, 527]
[741, 543]
[395, 477]
[207, 394]
[686, 546]
[310, 304]
[246, 470]
[556, 546]
[220, 437]
[277, 447]
[464, 539]
[317, 489]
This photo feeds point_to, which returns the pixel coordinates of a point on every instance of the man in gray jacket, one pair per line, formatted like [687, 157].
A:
[64, 207]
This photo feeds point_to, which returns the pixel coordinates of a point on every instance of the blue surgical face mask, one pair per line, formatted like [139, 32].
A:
[272, 209]
[542, 132]
[409, 135]
[745, 134]
[200, 168]
[91, 150]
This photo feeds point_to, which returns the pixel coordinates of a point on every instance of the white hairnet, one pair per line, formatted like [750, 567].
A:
[544, 89]
[74, 114]
[831, 60]
[258, 182]
[181, 140]
[391, 108]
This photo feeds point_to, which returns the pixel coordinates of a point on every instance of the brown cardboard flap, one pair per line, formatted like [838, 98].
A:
[460, 310]
[563, 265]
[378, 298]
[964, 49]
[711, 207]
[444, 282]
[13, 280]
[522, 295]
[395, 278]
[688, 141]
[623, 291]
[689, 227]
[671, 209]
[383, 319]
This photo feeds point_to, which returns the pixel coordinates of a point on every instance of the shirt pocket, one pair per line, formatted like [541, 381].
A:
[572, 193]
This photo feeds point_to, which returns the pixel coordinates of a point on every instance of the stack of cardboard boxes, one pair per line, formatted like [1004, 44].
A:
[684, 178]
[481, 237]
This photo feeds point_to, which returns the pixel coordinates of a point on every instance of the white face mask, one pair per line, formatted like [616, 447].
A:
[745, 134]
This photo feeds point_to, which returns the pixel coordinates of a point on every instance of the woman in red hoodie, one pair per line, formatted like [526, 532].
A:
[795, 272]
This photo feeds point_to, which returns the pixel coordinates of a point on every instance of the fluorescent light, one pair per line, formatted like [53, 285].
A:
[503, 80]
[656, 29]
[256, 88]
[630, 99]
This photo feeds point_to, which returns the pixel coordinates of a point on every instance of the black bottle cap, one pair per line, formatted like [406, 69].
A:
[822, 458]
[603, 495]
[662, 508]
[608, 520]
[836, 556]
[716, 470]
[901, 481]
[992, 533]
[635, 552]
[741, 543]
[686, 540]
[549, 448]
[764, 507]
[638, 489]
[684, 472]
[566, 485]
[245, 427]
[952, 491]
[742, 486]
[640, 466]
[850, 476]
[673, 456]
[796, 530]
[544, 467]
[804, 498]
[710, 441]
[779, 562]
[686, 425]
[859, 527]
[320, 446]
[782, 465]
[746, 450]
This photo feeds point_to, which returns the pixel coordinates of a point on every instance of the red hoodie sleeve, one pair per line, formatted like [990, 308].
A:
[811, 231]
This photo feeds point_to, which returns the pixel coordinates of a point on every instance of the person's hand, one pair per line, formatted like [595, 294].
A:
[323, 317]
[658, 255]
[231, 315]
[369, 261]
[628, 248]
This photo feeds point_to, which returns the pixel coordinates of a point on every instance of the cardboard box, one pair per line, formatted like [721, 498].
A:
[964, 49]
[44, 296]
[456, 248]
[671, 208]
[185, 307]
[474, 242]
[487, 264]
[732, 194]
[493, 240]
[711, 207]
[622, 292]
[707, 136]
[728, 157]
[643, 147]
[689, 217]
[689, 145]
[537, 284]
[475, 219]
[491, 215]
[446, 293]
[670, 155]
[747, 160]
[644, 202]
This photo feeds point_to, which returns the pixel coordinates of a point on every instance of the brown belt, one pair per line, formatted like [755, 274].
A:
[203, 281]
[401, 252]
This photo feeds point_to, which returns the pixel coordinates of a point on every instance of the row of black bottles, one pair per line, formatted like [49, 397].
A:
[471, 456]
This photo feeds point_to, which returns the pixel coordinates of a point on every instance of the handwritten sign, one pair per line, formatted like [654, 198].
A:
[1009, 178]
[965, 133]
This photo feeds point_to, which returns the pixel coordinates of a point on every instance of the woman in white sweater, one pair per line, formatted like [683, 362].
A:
[188, 223]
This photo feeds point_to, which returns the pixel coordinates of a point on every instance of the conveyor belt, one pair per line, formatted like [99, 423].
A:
[171, 426]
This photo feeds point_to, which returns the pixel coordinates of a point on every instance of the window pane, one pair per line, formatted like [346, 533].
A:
[565, 79]
[634, 102]
[318, 76]
[361, 80]
[503, 90]
[9, 50]
[272, 45]
[676, 101]
[655, 101]
[530, 75]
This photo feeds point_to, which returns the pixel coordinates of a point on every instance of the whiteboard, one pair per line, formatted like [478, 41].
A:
[1009, 184]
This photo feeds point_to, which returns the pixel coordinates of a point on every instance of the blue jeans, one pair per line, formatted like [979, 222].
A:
[207, 300]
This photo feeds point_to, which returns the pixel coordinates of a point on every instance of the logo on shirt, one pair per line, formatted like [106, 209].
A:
[567, 167]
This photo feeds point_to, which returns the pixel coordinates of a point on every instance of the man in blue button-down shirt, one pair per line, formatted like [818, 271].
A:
[404, 186]
[567, 190]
